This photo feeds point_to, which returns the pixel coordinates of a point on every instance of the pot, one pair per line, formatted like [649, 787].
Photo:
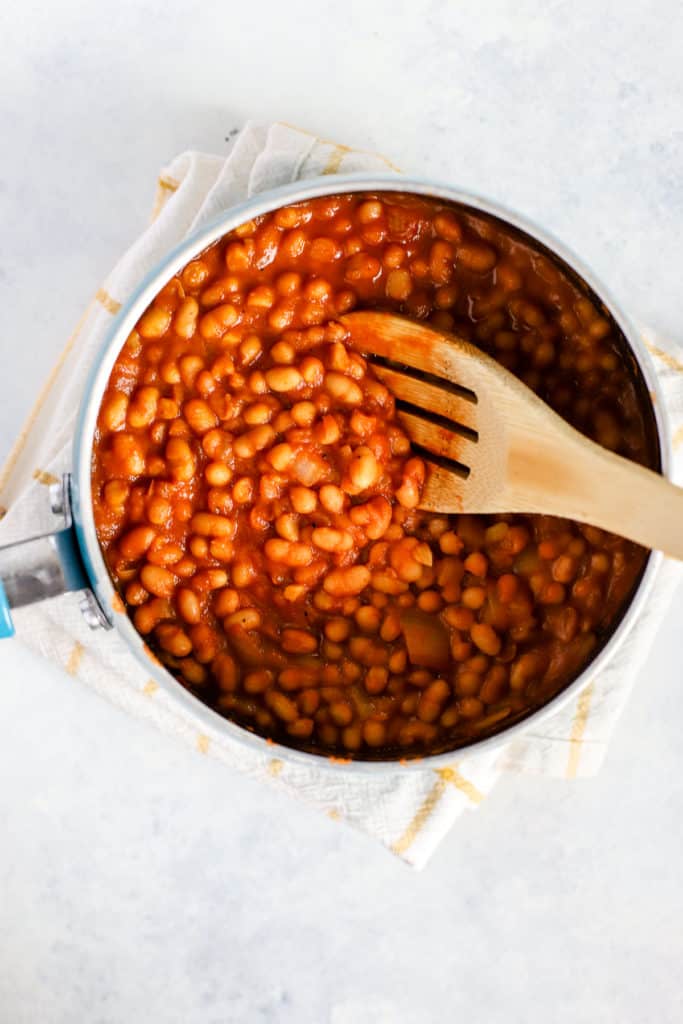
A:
[71, 559]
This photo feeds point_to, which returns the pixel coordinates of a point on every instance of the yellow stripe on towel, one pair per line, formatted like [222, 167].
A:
[422, 816]
[666, 357]
[349, 149]
[455, 778]
[583, 708]
[74, 659]
[104, 298]
[45, 478]
[335, 158]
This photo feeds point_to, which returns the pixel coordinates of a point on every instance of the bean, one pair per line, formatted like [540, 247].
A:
[399, 285]
[188, 605]
[113, 411]
[157, 580]
[473, 597]
[281, 457]
[328, 539]
[298, 641]
[258, 681]
[225, 669]
[374, 733]
[348, 581]
[199, 415]
[303, 499]
[217, 474]
[214, 324]
[363, 469]
[149, 615]
[247, 618]
[128, 458]
[225, 602]
[477, 257]
[283, 378]
[116, 494]
[282, 706]
[185, 319]
[343, 388]
[486, 638]
[173, 639]
[206, 524]
[209, 579]
[180, 459]
[288, 552]
[258, 413]
[154, 323]
[253, 441]
[135, 543]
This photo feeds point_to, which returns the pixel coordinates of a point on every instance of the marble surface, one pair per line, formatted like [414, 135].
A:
[140, 881]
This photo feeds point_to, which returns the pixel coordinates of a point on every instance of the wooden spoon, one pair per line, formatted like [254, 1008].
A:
[499, 448]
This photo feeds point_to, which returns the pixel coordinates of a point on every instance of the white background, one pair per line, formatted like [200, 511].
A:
[141, 881]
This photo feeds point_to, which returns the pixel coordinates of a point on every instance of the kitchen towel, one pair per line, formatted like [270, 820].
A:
[408, 811]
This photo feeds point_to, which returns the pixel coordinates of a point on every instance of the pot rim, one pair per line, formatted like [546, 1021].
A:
[203, 717]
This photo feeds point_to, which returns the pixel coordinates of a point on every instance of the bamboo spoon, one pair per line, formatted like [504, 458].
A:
[499, 448]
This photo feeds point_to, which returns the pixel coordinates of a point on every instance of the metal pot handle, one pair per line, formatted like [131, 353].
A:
[44, 566]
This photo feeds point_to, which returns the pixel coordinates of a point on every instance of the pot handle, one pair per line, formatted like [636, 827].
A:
[6, 624]
[45, 566]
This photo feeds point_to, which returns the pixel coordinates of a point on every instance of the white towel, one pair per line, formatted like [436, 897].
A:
[407, 811]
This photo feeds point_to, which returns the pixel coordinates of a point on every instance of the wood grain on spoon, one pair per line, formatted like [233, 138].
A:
[500, 448]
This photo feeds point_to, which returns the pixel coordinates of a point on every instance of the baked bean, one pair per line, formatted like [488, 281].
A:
[209, 579]
[298, 641]
[116, 493]
[486, 638]
[399, 285]
[154, 323]
[303, 499]
[217, 474]
[217, 321]
[349, 581]
[281, 706]
[226, 672]
[288, 552]
[363, 470]
[258, 503]
[258, 413]
[157, 580]
[188, 605]
[174, 640]
[199, 415]
[180, 459]
[185, 319]
[281, 457]
[113, 412]
[135, 543]
[127, 458]
[206, 524]
[135, 594]
[149, 615]
[343, 389]
[303, 413]
[258, 681]
[246, 446]
[247, 618]
[328, 539]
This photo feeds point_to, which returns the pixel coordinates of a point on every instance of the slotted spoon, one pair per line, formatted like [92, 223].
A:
[493, 446]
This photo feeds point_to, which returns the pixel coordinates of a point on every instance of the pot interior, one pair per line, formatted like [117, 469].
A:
[542, 262]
